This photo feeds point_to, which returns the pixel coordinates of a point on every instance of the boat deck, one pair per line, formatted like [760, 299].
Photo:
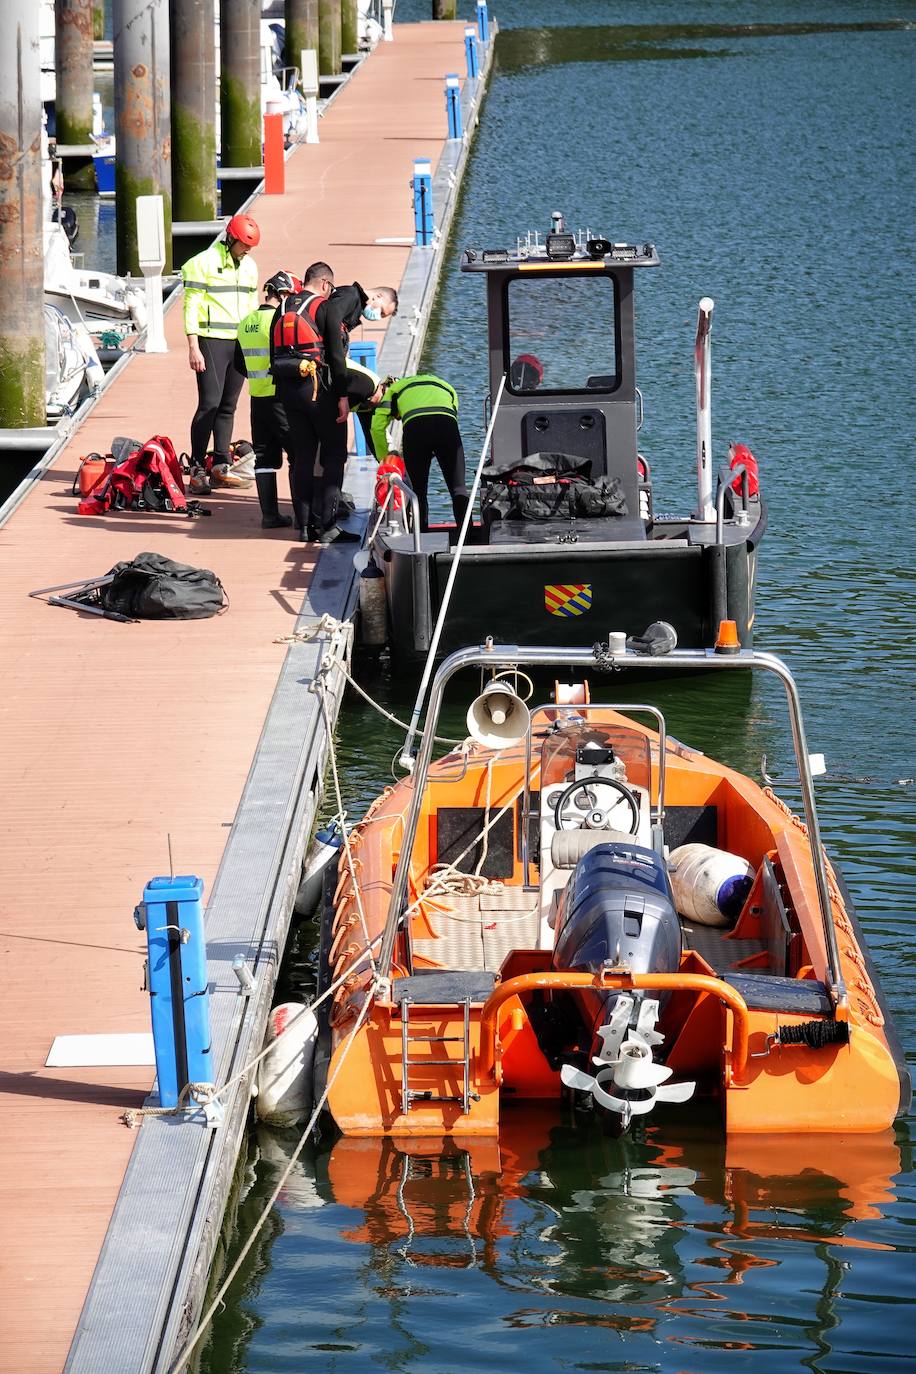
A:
[118, 740]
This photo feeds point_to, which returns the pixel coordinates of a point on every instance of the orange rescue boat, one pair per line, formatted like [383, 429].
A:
[573, 903]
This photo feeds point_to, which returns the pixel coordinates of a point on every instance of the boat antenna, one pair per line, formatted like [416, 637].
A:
[405, 758]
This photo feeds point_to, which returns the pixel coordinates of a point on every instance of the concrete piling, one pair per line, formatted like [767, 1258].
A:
[22, 340]
[193, 67]
[73, 101]
[445, 9]
[240, 83]
[98, 19]
[329, 37]
[349, 26]
[142, 119]
[301, 30]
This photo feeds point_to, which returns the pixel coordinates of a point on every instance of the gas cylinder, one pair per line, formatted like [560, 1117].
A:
[393, 463]
[738, 454]
[709, 885]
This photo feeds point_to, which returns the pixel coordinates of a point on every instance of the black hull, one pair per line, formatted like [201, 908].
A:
[502, 590]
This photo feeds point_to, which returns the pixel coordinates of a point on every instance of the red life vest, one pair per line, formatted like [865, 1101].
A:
[296, 337]
[148, 479]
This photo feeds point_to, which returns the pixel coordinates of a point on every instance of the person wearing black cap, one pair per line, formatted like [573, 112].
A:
[315, 399]
[269, 426]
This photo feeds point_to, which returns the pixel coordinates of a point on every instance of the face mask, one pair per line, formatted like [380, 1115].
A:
[371, 312]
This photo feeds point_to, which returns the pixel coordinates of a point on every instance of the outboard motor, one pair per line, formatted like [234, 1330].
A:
[618, 910]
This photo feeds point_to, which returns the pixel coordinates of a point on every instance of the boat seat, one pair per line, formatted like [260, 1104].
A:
[568, 846]
[452, 985]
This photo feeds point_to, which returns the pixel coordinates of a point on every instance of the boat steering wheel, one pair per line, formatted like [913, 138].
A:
[595, 818]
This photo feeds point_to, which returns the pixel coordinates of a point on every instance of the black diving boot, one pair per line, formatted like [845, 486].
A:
[271, 519]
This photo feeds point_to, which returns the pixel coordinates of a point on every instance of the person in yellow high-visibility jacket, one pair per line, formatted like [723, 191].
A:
[220, 289]
[270, 436]
[427, 407]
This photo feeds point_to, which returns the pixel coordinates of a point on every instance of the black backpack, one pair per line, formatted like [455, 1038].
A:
[550, 486]
[152, 587]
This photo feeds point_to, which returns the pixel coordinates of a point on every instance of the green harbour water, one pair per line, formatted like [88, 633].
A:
[766, 148]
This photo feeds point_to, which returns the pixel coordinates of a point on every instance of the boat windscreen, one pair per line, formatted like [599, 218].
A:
[562, 335]
[581, 741]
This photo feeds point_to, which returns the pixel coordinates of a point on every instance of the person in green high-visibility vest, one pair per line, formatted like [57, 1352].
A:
[270, 435]
[220, 287]
[427, 407]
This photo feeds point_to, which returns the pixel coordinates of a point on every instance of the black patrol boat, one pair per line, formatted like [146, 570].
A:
[568, 544]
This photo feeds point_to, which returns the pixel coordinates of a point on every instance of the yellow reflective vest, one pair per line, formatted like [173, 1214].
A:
[218, 292]
[254, 341]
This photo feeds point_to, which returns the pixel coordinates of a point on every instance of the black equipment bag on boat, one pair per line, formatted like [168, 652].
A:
[551, 486]
[153, 587]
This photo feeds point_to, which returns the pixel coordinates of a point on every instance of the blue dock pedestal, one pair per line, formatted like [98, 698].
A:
[483, 21]
[470, 52]
[366, 353]
[453, 105]
[423, 201]
[172, 914]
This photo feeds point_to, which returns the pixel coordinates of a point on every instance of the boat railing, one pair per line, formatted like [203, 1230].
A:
[490, 656]
[727, 476]
[413, 500]
[582, 709]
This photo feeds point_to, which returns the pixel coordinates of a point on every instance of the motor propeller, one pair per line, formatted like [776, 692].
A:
[628, 1081]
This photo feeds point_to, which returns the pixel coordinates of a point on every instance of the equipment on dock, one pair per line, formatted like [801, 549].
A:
[149, 587]
[551, 907]
[570, 540]
[171, 913]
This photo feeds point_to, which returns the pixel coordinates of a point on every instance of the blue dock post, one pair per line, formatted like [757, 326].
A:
[483, 21]
[423, 201]
[172, 915]
[365, 352]
[470, 52]
[453, 105]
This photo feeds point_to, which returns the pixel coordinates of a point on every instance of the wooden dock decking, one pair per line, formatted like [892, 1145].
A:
[115, 737]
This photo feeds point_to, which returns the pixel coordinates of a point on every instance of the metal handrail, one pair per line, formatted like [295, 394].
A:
[395, 481]
[739, 470]
[490, 655]
[609, 979]
[583, 709]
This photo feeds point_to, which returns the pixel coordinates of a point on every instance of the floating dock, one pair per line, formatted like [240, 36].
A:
[123, 743]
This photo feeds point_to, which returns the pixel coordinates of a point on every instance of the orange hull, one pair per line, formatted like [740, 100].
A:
[720, 1037]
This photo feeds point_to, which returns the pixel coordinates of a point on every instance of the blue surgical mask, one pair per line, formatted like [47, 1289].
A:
[371, 312]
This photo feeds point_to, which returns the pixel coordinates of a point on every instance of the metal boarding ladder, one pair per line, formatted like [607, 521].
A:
[410, 1095]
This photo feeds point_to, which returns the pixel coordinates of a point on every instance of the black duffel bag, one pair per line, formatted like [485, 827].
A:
[551, 486]
[152, 587]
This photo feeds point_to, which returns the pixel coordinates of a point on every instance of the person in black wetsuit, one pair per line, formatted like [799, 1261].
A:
[427, 406]
[318, 413]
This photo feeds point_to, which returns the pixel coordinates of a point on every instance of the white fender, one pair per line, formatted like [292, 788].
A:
[284, 1094]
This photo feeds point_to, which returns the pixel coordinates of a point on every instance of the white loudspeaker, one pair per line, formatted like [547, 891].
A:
[498, 718]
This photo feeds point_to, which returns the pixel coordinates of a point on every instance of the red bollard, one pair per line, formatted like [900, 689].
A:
[274, 163]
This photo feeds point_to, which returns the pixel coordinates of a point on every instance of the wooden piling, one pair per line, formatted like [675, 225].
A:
[301, 30]
[143, 165]
[73, 99]
[349, 27]
[329, 38]
[193, 57]
[22, 341]
[240, 83]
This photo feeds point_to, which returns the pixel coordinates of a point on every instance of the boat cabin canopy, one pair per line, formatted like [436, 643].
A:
[561, 329]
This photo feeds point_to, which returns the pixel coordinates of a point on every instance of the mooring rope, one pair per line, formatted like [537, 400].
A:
[205, 1093]
[207, 1317]
[328, 625]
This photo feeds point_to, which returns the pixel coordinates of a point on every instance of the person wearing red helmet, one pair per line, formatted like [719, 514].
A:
[526, 372]
[220, 289]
